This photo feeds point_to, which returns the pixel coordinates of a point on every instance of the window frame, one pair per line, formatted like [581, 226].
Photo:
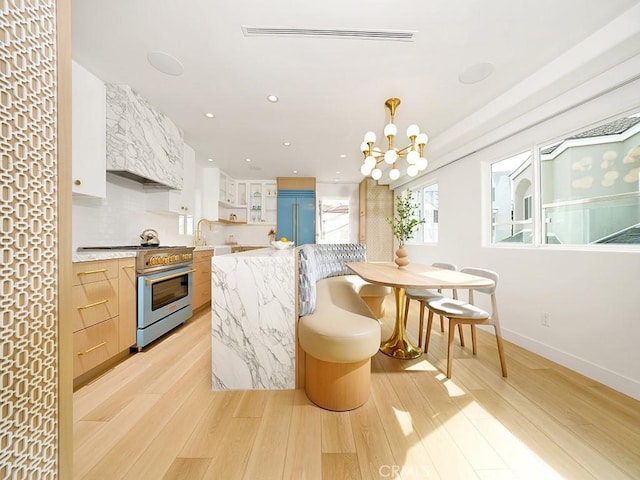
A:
[538, 228]
[418, 191]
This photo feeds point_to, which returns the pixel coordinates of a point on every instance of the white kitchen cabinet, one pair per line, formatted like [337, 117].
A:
[228, 190]
[262, 204]
[210, 188]
[176, 201]
[88, 124]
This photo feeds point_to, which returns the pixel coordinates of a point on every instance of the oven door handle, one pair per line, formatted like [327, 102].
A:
[168, 277]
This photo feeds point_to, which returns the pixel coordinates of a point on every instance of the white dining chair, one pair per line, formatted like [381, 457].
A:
[462, 313]
[423, 296]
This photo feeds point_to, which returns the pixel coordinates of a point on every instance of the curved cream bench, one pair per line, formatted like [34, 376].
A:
[337, 330]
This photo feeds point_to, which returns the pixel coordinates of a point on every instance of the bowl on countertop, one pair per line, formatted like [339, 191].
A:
[282, 245]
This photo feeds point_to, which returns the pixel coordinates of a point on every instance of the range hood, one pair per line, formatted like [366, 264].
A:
[142, 144]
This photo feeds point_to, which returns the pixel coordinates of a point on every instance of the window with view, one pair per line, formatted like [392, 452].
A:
[430, 213]
[589, 189]
[426, 198]
[333, 220]
[511, 184]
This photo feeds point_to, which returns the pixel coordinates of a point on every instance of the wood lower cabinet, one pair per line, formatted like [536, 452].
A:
[127, 303]
[201, 278]
[104, 312]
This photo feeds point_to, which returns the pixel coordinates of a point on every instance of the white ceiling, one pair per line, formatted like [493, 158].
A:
[333, 90]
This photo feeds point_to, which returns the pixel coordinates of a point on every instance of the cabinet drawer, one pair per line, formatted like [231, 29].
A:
[95, 271]
[94, 303]
[94, 345]
[201, 275]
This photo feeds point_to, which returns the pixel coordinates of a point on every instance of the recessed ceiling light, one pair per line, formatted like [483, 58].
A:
[286, 144]
[476, 73]
[209, 115]
[210, 159]
[338, 172]
[295, 171]
[247, 159]
[165, 63]
[343, 156]
[272, 98]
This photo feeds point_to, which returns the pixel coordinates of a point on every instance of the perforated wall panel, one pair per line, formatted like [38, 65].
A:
[28, 240]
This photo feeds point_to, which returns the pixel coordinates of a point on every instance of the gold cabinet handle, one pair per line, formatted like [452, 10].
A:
[168, 277]
[78, 182]
[102, 344]
[128, 266]
[89, 272]
[82, 307]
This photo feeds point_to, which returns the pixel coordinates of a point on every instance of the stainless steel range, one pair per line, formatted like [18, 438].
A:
[164, 291]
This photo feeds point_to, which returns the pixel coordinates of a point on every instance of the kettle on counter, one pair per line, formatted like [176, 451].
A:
[149, 238]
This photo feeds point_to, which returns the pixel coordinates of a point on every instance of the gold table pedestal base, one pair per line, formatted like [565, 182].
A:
[400, 348]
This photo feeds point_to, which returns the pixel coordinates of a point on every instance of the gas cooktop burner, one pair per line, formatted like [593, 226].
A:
[131, 247]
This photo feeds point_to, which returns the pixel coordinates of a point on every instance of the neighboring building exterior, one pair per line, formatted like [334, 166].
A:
[589, 189]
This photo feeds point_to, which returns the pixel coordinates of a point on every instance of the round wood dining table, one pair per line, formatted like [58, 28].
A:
[412, 276]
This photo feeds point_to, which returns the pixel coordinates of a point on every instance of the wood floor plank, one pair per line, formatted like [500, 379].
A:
[625, 456]
[372, 446]
[252, 403]
[230, 461]
[337, 435]
[270, 447]
[304, 445]
[208, 436]
[122, 455]
[186, 469]
[157, 458]
[413, 458]
[343, 466]
[448, 460]
[543, 421]
[91, 452]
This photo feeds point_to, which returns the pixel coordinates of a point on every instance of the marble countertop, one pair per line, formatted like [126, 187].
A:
[101, 255]
[265, 252]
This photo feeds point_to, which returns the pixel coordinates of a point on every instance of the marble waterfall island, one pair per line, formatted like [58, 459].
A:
[253, 320]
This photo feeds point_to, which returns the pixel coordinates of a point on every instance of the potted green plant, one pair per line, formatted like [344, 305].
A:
[404, 225]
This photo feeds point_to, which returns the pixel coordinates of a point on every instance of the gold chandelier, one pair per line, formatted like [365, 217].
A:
[413, 153]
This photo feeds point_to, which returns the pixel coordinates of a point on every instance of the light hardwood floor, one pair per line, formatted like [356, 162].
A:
[154, 416]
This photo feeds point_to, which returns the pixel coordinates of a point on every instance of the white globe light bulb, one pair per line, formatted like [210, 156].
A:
[390, 129]
[413, 130]
[364, 170]
[370, 162]
[413, 157]
[364, 147]
[376, 174]
[370, 137]
[422, 163]
[412, 170]
[390, 156]
[422, 139]
[394, 174]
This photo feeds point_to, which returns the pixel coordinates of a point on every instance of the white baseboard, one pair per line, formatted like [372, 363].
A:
[621, 383]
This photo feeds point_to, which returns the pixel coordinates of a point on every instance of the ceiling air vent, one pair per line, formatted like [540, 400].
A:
[395, 35]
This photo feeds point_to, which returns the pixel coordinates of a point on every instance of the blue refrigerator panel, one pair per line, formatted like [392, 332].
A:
[297, 216]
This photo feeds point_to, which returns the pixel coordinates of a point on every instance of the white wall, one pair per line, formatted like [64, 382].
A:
[590, 295]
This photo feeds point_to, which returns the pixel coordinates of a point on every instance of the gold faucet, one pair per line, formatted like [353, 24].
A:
[197, 239]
